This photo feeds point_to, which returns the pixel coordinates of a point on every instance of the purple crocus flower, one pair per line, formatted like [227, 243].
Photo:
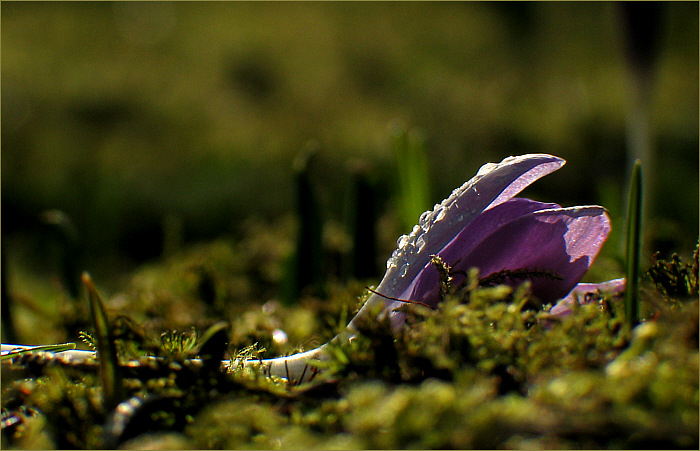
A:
[550, 245]
[482, 225]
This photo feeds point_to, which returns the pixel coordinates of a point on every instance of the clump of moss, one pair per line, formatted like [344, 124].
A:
[486, 369]
[675, 279]
[60, 408]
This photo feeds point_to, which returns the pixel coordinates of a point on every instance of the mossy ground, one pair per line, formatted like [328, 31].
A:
[154, 139]
[487, 369]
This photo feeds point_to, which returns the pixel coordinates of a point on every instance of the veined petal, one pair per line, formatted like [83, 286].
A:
[493, 185]
[426, 286]
[522, 236]
[560, 241]
[583, 293]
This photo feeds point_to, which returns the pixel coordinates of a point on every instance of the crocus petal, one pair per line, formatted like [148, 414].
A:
[493, 185]
[560, 241]
[583, 293]
[521, 234]
[426, 286]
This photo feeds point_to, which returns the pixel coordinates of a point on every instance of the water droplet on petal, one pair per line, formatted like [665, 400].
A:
[485, 169]
[401, 242]
[440, 215]
[420, 242]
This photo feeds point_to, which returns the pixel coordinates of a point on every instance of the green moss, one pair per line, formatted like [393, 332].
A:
[675, 278]
[486, 369]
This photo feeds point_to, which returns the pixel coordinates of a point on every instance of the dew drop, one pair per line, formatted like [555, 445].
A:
[440, 215]
[485, 169]
[402, 241]
[404, 270]
[420, 242]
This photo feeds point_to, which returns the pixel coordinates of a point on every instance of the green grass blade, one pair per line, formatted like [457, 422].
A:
[360, 218]
[634, 245]
[213, 344]
[305, 267]
[106, 348]
[9, 333]
[413, 178]
[43, 348]
[68, 240]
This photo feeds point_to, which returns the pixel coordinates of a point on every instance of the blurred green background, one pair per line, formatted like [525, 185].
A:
[155, 125]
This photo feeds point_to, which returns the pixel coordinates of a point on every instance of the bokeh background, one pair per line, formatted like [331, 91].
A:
[153, 126]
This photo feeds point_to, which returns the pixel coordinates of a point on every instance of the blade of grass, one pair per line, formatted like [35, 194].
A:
[634, 244]
[305, 267]
[106, 348]
[360, 219]
[212, 346]
[413, 177]
[43, 348]
[67, 237]
[6, 321]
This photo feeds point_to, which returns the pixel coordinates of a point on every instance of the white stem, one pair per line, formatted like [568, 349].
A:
[295, 368]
